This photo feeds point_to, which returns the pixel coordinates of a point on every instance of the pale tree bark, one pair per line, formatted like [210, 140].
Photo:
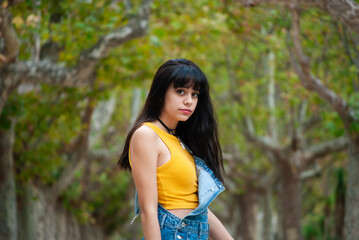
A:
[267, 215]
[135, 104]
[302, 66]
[273, 132]
[26, 214]
[8, 224]
[271, 97]
[45, 71]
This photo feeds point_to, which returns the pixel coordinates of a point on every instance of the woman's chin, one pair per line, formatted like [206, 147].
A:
[183, 118]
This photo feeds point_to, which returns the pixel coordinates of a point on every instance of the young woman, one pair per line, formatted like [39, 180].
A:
[164, 149]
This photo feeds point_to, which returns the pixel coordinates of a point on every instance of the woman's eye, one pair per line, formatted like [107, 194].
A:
[180, 91]
[195, 95]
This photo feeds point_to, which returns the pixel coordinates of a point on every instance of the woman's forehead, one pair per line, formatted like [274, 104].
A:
[186, 84]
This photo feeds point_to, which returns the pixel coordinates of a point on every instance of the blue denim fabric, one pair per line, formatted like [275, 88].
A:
[188, 228]
[209, 187]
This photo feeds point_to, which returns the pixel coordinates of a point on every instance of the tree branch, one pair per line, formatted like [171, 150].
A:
[301, 65]
[263, 143]
[311, 173]
[272, 121]
[324, 149]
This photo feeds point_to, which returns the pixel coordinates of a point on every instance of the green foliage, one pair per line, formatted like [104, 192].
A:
[116, 187]
[46, 124]
[106, 205]
[321, 197]
[13, 109]
[311, 231]
[333, 124]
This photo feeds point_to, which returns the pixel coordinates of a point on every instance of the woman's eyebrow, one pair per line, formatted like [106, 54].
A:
[197, 90]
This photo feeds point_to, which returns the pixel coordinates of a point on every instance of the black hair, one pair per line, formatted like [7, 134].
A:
[200, 131]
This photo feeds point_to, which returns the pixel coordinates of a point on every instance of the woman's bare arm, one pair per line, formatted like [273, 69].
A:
[216, 229]
[144, 152]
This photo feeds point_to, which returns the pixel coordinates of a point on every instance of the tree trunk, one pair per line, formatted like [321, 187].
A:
[135, 104]
[267, 216]
[352, 193]
[8, 226]
[26, 216]
[40, 219]
[246, 203]
[290, 202]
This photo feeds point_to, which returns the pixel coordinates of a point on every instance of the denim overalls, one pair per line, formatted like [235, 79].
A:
[195, 225]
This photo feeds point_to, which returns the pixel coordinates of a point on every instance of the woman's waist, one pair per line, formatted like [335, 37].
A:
[181, 213]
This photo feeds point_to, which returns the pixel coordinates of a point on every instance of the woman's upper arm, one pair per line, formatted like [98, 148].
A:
[216, 229]
[144, 155]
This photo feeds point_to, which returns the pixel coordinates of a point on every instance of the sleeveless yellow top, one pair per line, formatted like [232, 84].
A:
[177, 184]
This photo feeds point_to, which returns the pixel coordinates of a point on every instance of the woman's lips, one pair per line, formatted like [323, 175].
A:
[186, 111]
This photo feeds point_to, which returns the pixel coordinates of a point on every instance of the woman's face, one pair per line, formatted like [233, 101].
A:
[179, 104]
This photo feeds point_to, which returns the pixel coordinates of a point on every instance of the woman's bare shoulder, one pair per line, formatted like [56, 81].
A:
[145, 136]
[144, 146]
[144, 132]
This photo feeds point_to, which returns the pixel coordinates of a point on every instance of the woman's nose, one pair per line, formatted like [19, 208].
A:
[188, 100]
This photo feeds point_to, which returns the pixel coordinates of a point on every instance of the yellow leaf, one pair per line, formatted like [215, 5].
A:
[32, 19]
[99, 4]
[4, 4]
[18, 21]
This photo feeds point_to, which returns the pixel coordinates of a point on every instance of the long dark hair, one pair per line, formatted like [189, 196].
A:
[199, 132]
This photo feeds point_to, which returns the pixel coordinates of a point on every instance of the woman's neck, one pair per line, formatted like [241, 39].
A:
[167, 124]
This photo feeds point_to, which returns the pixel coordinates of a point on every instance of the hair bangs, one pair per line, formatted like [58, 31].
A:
[186, 76]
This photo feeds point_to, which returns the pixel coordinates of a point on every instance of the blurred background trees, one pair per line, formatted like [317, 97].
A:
[74, 75]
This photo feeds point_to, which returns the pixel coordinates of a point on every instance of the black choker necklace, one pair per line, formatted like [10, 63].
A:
[167, 128]
[171, 131]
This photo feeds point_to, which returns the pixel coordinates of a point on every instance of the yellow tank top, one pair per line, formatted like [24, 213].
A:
[177, 184]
